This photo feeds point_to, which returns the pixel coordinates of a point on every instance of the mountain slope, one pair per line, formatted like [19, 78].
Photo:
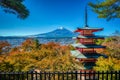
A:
[61, 32]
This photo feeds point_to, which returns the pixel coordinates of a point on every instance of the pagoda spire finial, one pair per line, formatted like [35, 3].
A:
[86, 17]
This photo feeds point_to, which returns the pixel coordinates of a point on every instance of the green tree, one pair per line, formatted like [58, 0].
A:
[99, 41]
[15, 7]
[107, 8]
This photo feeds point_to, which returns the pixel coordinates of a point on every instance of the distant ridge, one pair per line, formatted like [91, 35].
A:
[60, 32]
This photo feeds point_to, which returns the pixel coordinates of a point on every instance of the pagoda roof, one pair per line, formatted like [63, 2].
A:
[88, 28]
[78, 54]
[79, 45]
[95, 37]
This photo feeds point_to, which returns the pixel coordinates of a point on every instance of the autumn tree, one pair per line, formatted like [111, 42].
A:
[15, 7]
[4, 46]
[112, 50]
[112, 46]
[107, 64]
[30, 44]
[48, 57]
[56, 57]
[99, 41]
[106, 8]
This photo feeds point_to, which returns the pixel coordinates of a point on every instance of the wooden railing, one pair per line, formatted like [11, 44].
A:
[88, 60]
[87, 43]
[70, 75]
[87, 34]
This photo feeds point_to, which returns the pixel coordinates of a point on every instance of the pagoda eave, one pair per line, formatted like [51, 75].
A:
[88, 37]
[78, 54]
[87, 46]
[87, 28]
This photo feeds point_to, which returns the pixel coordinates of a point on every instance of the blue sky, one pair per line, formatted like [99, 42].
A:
[47, 15]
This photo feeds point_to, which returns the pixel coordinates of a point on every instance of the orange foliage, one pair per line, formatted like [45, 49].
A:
[28, 42]
[4, 45]
[99, 50]
[50, 56]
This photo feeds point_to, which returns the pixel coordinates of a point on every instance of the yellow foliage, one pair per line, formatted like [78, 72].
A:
[51, 57]
[107, 64]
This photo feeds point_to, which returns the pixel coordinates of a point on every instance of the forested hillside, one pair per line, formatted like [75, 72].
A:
[33, 55]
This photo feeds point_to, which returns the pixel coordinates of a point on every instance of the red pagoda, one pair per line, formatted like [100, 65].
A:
[85, 47]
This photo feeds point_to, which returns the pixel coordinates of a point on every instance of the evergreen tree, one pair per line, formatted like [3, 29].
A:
[15, 7]
[107, 8]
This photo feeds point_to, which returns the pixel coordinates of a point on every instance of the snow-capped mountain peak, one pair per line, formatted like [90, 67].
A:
[60, 32]
[61, 28]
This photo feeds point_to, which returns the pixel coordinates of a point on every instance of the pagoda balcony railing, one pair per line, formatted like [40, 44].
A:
[89, 51]
[87, 34]
[88, 60]
[84, 52]
[87, 42]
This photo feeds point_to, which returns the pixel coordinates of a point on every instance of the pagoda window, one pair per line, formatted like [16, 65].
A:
[81, 40]
[88, 50]
[87, 32]
[86, 41]
[82, 32]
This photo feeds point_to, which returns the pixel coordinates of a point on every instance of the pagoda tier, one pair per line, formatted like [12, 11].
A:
[86, 31]
[88, 37]
[77, 54]
[79, 45]
[88, 50]
[85, 57]
[89, 29]
[86, 41]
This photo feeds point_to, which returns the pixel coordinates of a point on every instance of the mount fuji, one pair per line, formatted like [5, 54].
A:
[60, 32]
